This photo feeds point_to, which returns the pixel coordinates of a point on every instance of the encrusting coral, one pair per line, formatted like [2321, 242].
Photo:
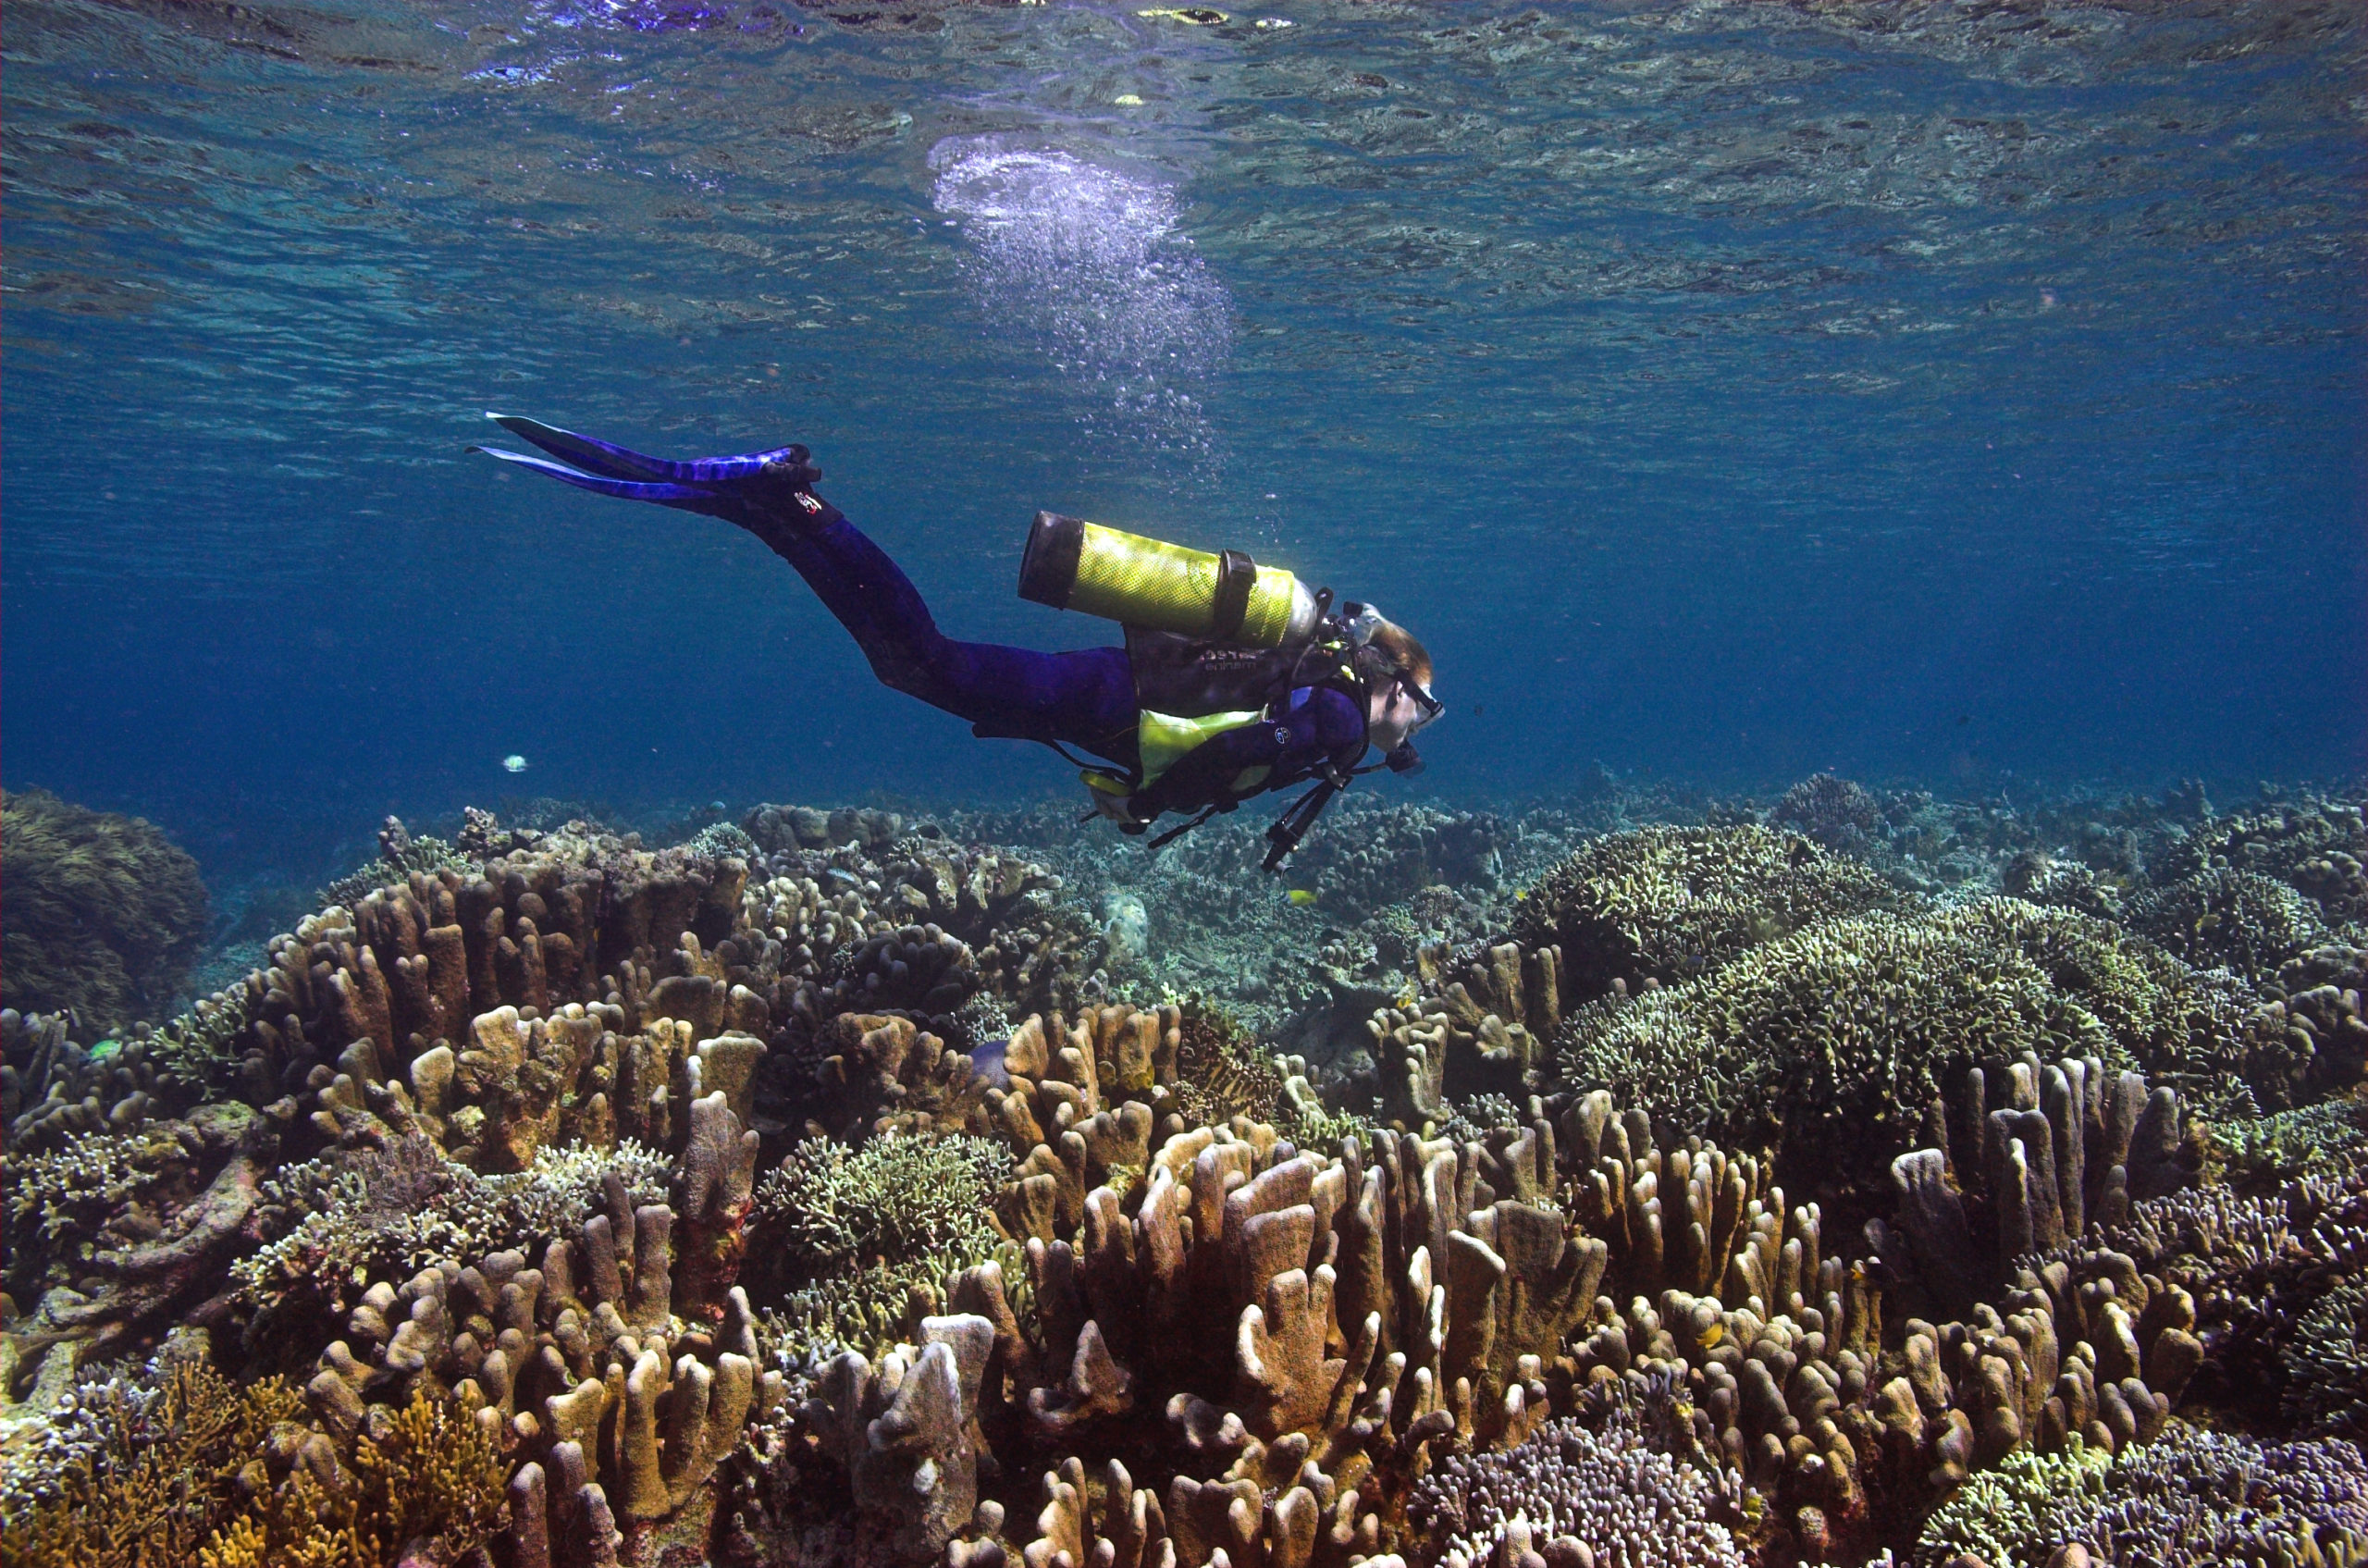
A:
[805, 1195]
[102, 913]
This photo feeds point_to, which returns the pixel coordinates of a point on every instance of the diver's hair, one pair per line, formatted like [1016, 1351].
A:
[1403, 651]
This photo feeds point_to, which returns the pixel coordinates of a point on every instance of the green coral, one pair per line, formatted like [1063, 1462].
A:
[399, 856]
[1836, 1041]
[59, 1200]
[199, 1049]
[102, 913]
[2019, 1512]
[2265, 1154]
[2189, 1499]
[1670, 904]
[2225, 919]
[866, 1237]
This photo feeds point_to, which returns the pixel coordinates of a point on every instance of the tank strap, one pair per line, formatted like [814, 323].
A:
[1236, 574]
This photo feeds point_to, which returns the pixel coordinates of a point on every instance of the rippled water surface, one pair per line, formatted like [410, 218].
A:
[1954, 392]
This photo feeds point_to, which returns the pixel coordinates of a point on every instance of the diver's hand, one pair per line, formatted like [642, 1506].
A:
[752, 489]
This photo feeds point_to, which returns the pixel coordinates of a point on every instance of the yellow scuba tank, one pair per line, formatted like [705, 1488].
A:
[1072, 564]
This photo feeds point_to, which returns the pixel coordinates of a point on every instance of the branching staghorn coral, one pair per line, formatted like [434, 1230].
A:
[2018, 1513]
[1573, 1496]
[2224, 919]
[426, 1484]
[2190, 1499]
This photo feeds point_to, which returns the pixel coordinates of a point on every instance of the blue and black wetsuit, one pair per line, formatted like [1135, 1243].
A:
[1085, 700]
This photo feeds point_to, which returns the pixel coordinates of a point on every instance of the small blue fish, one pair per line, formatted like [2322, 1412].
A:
[986, 1060]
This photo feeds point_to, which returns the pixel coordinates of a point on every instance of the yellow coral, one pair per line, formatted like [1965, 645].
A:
[162, 1482]
[432, 1474]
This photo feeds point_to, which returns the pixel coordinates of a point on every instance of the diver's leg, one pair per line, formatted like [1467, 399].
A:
[1084, 698]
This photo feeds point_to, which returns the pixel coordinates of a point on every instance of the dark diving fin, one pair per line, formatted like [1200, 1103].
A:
[597, 457]
[628, 489]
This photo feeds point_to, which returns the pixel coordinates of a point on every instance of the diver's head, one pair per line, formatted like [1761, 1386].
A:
[1397, 671]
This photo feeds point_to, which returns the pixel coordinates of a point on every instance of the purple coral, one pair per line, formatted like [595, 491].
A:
[1626, 1504]
[1836, 812]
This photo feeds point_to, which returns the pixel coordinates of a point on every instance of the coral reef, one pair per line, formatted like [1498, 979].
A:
[812, 1192]
[1573, 1497]
[1837, 813]
[1670, 904]
[102, 913]
[2188, 1499]
[1833, 1045]
[2241, 921]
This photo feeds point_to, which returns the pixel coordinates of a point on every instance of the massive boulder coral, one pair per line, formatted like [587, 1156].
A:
[104, 914]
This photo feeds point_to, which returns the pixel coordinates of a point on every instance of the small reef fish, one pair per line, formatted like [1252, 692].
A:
[513, 763]
[986, 1060]
[1301, 897]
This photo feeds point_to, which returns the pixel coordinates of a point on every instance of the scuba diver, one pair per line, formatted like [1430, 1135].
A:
[1234, 679]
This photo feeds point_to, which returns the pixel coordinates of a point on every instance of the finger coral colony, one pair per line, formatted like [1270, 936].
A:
[1653, 1180]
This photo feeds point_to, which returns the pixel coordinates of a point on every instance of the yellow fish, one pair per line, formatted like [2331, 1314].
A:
[1301, 897]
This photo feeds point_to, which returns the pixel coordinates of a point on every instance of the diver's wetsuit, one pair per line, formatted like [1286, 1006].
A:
[1085, 699]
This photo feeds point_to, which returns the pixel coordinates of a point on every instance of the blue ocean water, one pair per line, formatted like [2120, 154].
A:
[1969, 395]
